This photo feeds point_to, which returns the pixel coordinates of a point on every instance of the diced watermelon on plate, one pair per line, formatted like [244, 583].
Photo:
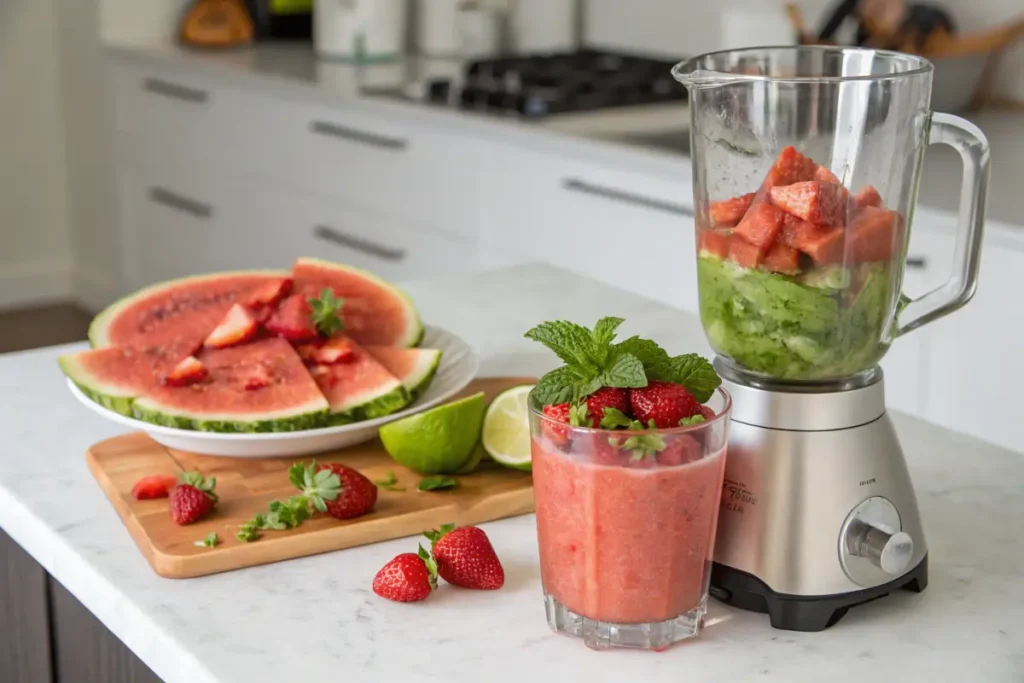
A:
[874, 235]
[745, 254]
[714, 242]
[814, 201]
[782, 259]
[867, 197]
[728, 212]
[761, 224]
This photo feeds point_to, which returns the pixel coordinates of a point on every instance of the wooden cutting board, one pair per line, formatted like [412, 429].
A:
[246, 487]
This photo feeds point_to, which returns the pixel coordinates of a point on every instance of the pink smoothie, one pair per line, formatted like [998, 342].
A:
[625, 545]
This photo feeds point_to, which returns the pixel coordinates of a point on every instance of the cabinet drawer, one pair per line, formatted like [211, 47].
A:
[627, 230]
[411, 172]
[175, 223]
[292, 225]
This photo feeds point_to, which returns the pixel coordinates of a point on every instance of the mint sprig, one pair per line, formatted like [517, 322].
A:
[437, 483]
[692, 371]
[591, 361]
[327, 312]
[389, 483]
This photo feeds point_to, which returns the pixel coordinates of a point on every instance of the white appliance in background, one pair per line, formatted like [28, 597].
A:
[460, 28]
[752, 26]
[359, 30]
[542, 25]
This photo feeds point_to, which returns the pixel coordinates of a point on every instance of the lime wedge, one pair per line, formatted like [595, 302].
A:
[436, 441]
[506, 436]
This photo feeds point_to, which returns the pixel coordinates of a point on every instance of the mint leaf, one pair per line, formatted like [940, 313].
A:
[210, 541]
[437, 483]
[692, 420]
[570, 342]
[579, 415]
[557, 386]
[692, 371]
[327, 312]
[389, 483]
[646, 351]
[613, 417]
[625, 372]
[604, 333]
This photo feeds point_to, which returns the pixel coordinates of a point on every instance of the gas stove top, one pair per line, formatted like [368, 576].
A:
[537, 86]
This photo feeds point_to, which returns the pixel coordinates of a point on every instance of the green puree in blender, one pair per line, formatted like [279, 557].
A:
[795, 327]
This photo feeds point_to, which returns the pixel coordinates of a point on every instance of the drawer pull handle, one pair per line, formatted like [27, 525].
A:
[179, 202]
[322, 232]
[917, 262]
[576, 185]
[174, 91]
[362, 137]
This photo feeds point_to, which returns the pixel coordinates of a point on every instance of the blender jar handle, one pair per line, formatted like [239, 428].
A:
[970, 142]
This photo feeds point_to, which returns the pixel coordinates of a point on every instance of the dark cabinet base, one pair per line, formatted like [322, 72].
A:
[49, 637]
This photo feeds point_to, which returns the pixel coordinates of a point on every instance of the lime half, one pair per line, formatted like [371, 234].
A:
[506, 435]
[436, 441]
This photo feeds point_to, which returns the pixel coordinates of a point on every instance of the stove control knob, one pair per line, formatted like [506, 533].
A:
[890, 552]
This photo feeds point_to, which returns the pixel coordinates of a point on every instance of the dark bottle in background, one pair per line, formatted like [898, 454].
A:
[282, 19]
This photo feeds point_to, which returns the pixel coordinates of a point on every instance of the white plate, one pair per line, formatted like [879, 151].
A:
[457, 368]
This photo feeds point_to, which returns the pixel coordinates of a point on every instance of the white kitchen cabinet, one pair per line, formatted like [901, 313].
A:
[629, 230]
[975, 356]
[291, 224]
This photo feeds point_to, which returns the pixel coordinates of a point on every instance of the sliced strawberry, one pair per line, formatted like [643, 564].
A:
[745, 254]
[336, 350]
[790, 167]
[293, 320]
[827, 247]
[269, 293]
[867, 197]
[729, 212]
[874, 235]
[796, 232]
[761, 224]
[558, 412]
[825, 175]
[258, 378]
[782, 259]
[814, 201]
[237, 327]
[714, 242]
[188, 371]
[153, 486]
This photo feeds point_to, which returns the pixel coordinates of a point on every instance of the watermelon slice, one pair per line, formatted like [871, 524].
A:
[414, 368]
[359, 389]
[257, 387]
[186, 307]
[374, 311]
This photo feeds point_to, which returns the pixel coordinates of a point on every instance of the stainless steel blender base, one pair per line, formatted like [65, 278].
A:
[818, 510]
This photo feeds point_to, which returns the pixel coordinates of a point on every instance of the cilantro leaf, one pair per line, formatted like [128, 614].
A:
[210, 541]
[437, 483]
[389, 483]
[692, 371]
[579, 415]
[613, 417]
[691, 421]
[327, 312]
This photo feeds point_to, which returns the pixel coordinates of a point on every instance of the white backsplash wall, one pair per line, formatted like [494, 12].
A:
[676, 28]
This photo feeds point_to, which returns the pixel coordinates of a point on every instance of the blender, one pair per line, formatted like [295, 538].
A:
[806, 163]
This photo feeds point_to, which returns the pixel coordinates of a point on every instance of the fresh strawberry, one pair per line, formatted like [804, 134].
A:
[728, 212]
[336, 350]
[293, 320]
[193, 498]
[357, 494]
[407, 578]
[814, 201]
[607, 397]
[465, 557]
[237, 327]
[707, 412]
[153, 486]
[269, 293]
[258, 378]
[559, 412]
[663, 402]
[188, 371]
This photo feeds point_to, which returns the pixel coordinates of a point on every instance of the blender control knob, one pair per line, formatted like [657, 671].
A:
[889, 552]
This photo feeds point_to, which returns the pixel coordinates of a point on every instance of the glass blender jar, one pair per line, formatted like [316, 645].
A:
[806, 164]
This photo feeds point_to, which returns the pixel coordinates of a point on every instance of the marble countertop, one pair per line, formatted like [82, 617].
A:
[307, 618]
[610, 134]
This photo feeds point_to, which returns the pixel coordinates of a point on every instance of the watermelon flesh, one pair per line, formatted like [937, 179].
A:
[374, 312]
[286, 398]
[359, 389]
[414, 368]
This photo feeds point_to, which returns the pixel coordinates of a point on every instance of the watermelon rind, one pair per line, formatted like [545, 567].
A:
[111, 396]
[310, 415]
[100, 325]
[419, 379]
[366, 408]
[414, 326]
